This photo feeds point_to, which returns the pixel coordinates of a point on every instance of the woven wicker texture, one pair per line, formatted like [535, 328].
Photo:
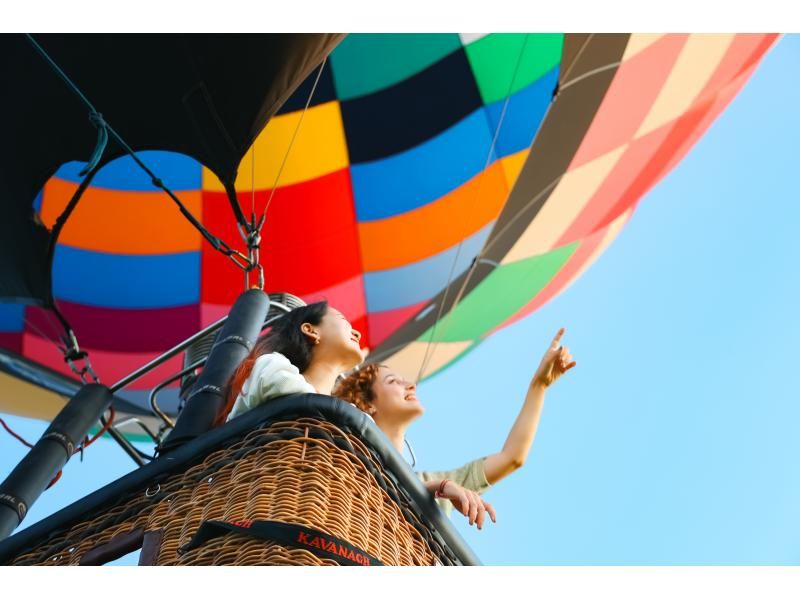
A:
[308, 472]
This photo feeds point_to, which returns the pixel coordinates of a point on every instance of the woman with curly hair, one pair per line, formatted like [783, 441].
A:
[304, 352]
[392, 402]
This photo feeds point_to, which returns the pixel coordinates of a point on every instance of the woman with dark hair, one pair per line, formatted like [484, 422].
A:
[392, 402]
[303, 352]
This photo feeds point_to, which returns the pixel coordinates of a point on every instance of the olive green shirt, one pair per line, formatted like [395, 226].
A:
[471, 476]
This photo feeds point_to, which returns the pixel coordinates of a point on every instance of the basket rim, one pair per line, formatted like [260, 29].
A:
[286, 408]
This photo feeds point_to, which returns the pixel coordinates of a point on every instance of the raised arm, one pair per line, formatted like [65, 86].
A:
[511, 457]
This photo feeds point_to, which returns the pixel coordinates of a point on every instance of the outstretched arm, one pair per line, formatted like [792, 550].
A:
[511, 457]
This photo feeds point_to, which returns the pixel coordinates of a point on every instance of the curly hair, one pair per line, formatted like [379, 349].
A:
[356, 388]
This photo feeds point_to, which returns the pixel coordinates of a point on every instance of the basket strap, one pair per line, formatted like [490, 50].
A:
[322, 544]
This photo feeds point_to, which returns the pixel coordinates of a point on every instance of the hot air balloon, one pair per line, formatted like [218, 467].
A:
[435, 188]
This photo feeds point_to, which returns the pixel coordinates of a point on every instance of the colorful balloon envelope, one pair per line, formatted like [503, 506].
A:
[434, 188]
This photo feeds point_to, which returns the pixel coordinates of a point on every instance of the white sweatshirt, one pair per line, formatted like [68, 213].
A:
[273, 376]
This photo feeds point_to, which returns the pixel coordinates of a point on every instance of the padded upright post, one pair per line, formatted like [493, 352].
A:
[234, 342]
[49, 455]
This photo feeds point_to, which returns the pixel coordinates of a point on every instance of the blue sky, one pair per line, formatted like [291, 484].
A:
[674, 441]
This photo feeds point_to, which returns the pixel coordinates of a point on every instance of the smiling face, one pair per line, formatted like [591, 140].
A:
[338, 340]
[395, 398]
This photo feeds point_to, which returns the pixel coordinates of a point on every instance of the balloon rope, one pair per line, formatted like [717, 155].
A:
[51, 325]
[578, 54]
[291, 143]
[106, 426]
[46, 313]
[534, 200]
[87, 441]
[40, 332]
[14, 434]
[236, 257]
[488, 245]
[428, 350]
[65, 214]
[29, 445]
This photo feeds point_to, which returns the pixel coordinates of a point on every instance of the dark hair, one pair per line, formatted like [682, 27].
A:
[286, 337]
[283, 337]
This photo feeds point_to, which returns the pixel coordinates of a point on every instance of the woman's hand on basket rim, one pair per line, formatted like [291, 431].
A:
[468, 503]
[555, 362]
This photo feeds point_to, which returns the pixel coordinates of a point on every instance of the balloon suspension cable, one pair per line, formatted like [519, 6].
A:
[251, 234]
[252, 238]
[291, 143]
[251, 231]
[71, 350]
[560, 87]
[563, 83]
[79, 363]
[479, 257]
[28, 322]
[88, 174]
[430, 346]
[105, 130]
[77, 359]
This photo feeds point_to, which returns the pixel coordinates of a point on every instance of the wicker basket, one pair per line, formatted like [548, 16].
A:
[306, 471]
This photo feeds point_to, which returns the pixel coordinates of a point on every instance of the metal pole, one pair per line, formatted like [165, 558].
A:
[199, 363]
[136, 374]
[125, 445]
[123, 442]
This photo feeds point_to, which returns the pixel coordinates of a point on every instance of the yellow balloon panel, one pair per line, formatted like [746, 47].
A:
[319, 148]
[28, 400]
